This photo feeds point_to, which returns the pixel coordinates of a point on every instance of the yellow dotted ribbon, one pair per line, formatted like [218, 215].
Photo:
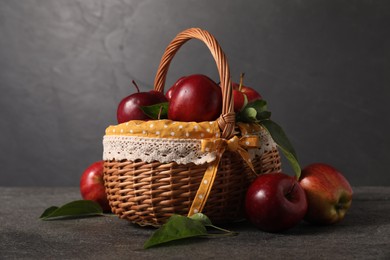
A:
[235, 144]
[166, 129]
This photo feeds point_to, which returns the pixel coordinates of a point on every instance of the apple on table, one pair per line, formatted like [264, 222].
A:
[92, 185]
[275, 202]
[328, 193]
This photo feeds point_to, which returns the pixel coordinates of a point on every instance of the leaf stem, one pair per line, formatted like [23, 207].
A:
[221, 229]
[215, 235]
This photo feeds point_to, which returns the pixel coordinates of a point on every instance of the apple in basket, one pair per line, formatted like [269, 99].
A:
[129, 107]
[275, 202]
[243, 95]
[169, 93]
[195, 98]
[92, 185]
[328, 193]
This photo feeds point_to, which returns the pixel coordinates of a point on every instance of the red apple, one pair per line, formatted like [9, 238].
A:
[328, 193]
[275, 202]
[195, 98]
[160, 96]
[129, 107]
[239, 91]
[169, 93]
[92, 185]
[240, 100]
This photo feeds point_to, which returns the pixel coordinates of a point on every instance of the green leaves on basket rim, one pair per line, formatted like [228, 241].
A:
[256, 112]
[74, 209]
[180, 227]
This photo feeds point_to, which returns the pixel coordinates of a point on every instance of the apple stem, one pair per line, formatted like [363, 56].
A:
[136, 86]
[290, 191]
[241, 80]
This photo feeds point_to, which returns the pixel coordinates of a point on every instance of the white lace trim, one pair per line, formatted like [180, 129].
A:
[165, 150]
[267, 144]
[181, 151]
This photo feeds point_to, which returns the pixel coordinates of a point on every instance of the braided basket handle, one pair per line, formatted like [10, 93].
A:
[226, 121]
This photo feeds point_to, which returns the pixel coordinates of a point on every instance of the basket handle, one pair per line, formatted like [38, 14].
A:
[226, 121]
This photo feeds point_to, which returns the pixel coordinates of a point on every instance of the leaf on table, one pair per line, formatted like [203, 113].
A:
[180, 227]
[48, 211]
[177, 227]
[202, 218]
[207, 223]
[74, 209]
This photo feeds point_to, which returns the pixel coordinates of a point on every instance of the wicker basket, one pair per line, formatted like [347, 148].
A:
[149, 192]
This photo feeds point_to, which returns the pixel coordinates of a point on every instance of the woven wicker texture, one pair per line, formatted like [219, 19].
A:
[149, 193]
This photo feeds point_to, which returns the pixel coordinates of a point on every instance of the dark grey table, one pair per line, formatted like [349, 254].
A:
[364, 233]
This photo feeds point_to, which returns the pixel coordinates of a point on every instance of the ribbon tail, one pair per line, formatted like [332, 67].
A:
[205, 186]
[245, 156]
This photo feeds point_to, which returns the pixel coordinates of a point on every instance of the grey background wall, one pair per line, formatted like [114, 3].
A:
[323, 66]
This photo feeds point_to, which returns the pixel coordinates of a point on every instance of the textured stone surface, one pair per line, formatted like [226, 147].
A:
[364, 233]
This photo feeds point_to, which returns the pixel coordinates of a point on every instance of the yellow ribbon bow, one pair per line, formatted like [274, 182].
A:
[220, 145]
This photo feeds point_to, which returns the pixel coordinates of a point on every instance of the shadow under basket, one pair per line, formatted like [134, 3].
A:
[149, 193]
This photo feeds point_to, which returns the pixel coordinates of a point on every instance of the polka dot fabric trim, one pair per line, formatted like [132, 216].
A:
[166, 129]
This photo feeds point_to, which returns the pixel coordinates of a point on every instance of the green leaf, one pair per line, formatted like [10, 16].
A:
[74, 209]
[156, 111]
[263, 115]
[293, 162]
[202, 218]
[280, 137]
[259, 105]
[247, 115]
[177, 227]
[207, 222]
[48, 211]
[253, 112]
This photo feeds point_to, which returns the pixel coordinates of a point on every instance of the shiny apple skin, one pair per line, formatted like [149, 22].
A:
[275, 202]
[129, 107]
[251, 94]
[195, 98]
[92, 185]
[169, 93]
[240, 100]
[328, 192]
[159, 95]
